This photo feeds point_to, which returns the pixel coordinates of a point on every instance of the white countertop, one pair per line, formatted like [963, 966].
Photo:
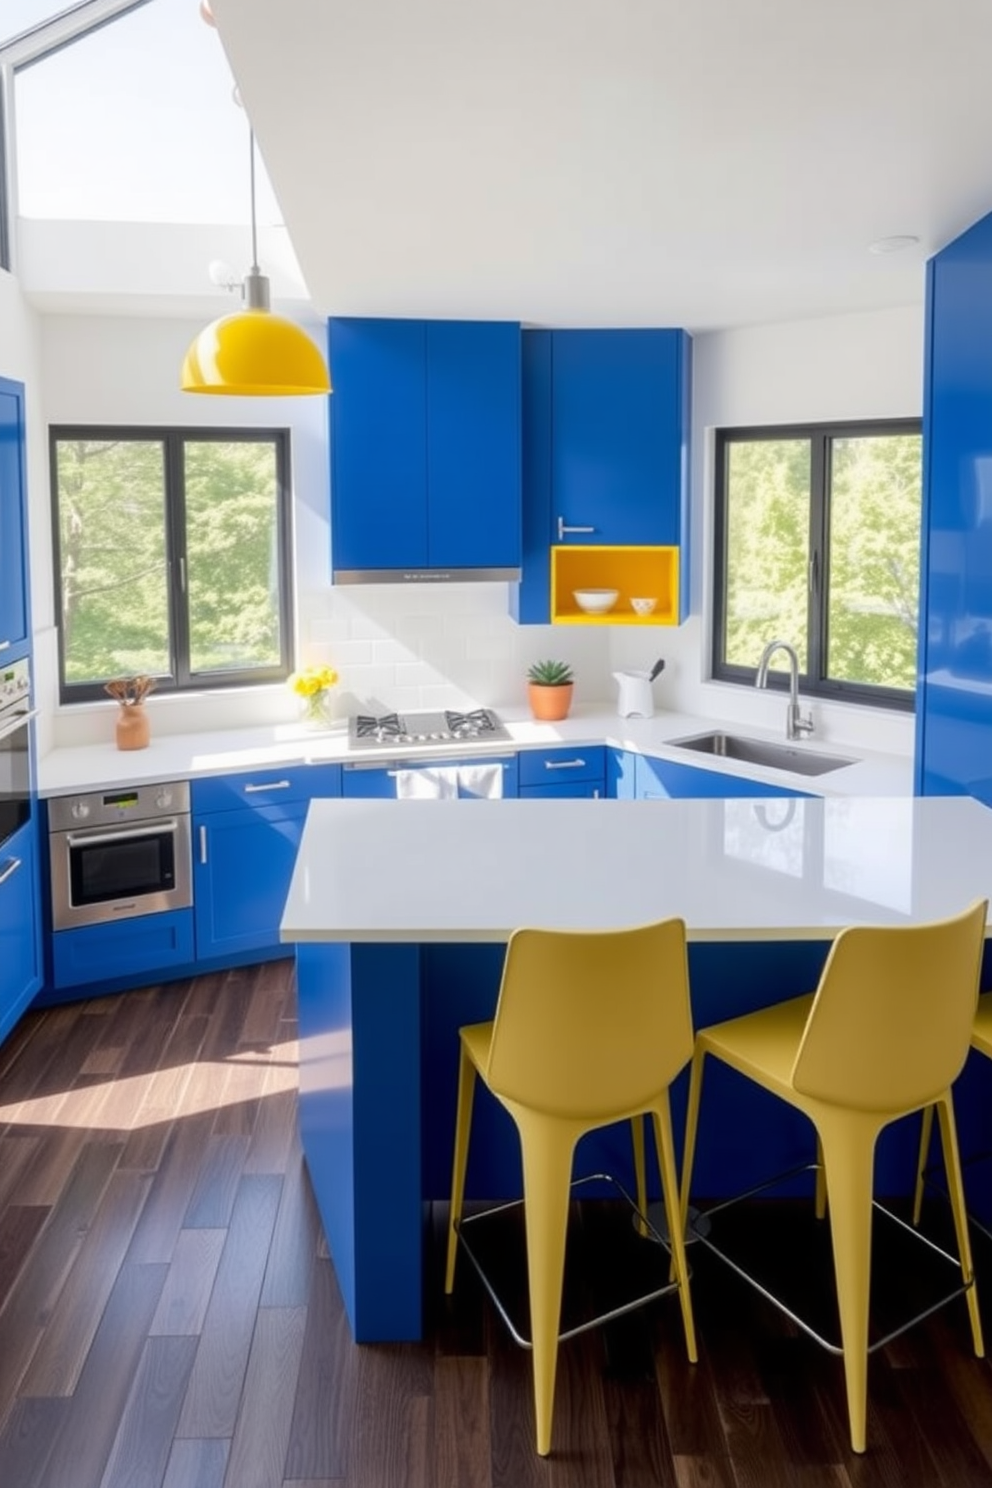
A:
[186, 756]
[732, 869]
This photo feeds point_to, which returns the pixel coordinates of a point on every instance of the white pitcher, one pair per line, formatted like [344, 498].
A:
[636, 698]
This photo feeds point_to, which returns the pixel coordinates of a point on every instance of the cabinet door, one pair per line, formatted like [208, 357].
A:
[20, 925]
[657, 779]
[14, 625]
[584, 790]
[473, 444]
[618, 456]
[242, 865]
[378, 444]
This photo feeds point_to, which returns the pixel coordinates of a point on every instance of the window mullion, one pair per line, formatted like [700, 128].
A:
[178, 565]
[818, 558]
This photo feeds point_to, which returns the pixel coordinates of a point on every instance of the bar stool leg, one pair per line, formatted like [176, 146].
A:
[955, 1184]
[921, 1162]
[640, 1171]
[463, 1123]
[848, 1153]
[547, 1147]
[674, 1218]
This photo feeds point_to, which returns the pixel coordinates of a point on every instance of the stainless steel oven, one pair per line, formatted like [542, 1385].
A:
[15, 747]
[119, 853]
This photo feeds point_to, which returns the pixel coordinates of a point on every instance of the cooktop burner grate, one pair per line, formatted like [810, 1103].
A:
[414, 729]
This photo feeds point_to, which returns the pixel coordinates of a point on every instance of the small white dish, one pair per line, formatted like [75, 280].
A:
[643, 606]
[595, 601]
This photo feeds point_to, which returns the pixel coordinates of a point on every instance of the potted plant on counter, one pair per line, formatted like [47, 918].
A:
[549, 689]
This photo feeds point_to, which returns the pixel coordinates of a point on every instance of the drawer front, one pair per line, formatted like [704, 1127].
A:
[555, 766]
[578, 790]
[265, 787]
[96, 953]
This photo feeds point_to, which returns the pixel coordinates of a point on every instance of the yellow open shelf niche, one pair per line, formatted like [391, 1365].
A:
[634, 572]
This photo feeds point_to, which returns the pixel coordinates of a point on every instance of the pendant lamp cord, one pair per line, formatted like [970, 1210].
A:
[251, 173]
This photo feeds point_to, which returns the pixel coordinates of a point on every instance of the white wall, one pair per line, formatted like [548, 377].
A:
[846, 367]
[427, 646]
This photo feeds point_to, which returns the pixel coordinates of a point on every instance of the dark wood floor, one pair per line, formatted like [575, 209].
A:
[169, 1317]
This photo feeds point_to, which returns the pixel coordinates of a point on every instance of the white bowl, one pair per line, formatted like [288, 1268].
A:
[643, 606]
[595, 601]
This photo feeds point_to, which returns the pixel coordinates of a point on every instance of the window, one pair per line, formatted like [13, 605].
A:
[171, 557]
[818, 543]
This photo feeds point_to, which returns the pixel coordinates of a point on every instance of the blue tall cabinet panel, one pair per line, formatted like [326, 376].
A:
[20, 925]
[954, 695]
[606, 427]
[15, 628]
[425, 445]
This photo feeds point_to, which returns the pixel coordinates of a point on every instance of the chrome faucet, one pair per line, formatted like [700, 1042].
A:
[796, 723]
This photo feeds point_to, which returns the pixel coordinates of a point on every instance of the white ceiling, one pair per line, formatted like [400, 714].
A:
[704, 163]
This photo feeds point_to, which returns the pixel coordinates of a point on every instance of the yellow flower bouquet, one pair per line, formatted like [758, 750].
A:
[312, 686]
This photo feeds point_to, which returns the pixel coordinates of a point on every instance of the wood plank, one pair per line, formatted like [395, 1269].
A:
[42, 1181]
[20, 1226]
[18, 1154]
[461, 1423]
[271, 984]
[326, 1390]
[26, 1442]
[28, 1308]
[143, 1442]
[211, 1405]
[59, 1357]
[162, 1217]
[163, 1095]
[197, 1463]
[258, 1451]
[217, 1182]
[389, 1439]
[294, 1240]
[87, 1432]
[185, 1297]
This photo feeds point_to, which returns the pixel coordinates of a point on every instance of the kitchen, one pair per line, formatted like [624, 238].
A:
[427, 648]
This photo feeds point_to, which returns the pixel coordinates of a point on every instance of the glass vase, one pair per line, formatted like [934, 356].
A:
[315, 710]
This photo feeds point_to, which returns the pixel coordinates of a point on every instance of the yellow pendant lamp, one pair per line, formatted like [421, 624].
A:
[253, 353]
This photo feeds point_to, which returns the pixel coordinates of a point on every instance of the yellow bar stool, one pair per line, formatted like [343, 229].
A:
[590, 1028]
[885, 1034]
[981, 1040]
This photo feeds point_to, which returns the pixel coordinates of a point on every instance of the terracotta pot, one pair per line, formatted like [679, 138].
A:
[133, 729]
[550, 704]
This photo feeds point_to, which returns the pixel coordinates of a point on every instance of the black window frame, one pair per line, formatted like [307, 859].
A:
[175, 438]
[814, 681]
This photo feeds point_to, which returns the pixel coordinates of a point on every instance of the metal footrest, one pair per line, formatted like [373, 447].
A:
[812, 1240]
[633, 1275]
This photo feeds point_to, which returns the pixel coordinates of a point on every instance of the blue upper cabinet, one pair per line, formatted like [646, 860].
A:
[606, 458]
[954, 696]
[425, 448]
[15, 628]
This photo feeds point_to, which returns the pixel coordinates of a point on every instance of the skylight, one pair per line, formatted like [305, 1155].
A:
[134, 121]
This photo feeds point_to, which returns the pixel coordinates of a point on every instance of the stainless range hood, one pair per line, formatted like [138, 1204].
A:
[425, 575]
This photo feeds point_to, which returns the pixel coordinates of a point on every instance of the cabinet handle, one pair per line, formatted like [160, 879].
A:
[10, 870]
[5, 645]
[275, 785]
[595, 794]
[576, 764]
[203, 844]
[562, 528]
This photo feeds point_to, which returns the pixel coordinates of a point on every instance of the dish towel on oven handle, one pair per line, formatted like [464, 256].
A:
[427, 784]
[480, 782]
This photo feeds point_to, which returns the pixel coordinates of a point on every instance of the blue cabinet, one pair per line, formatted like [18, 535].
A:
[15, 628]
[954, 694]
[20, 925]
[147, 945]
[425, 447]
[606, 421]
[246, 831]
[577, 772]
[662, 779]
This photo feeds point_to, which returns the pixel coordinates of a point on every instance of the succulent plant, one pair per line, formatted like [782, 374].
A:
[550, 673]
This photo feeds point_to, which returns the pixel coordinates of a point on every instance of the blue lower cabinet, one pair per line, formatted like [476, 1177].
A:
[575, 790]
[658, 779]
[145, 943]
[242, 865]
[621, 765]
[20, 925]
[580, 771]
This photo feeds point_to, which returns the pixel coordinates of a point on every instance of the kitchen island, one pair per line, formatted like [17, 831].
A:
[400, 911]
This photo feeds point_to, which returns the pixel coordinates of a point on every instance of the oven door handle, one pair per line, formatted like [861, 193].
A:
[129, 834]
[22, 718]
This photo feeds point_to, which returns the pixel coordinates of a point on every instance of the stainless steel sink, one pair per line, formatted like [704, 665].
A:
[794, 758]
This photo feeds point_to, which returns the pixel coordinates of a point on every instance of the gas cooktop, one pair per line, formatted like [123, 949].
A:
[412, 730]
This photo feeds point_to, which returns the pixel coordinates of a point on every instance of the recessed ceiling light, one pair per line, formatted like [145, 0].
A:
[893, 245]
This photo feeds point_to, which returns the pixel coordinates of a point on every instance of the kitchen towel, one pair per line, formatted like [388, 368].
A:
[480, 782]
[426, 785]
